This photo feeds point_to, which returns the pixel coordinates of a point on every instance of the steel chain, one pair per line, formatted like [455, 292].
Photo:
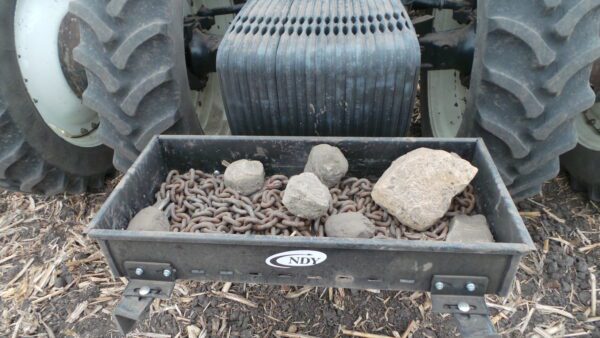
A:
[200, 202]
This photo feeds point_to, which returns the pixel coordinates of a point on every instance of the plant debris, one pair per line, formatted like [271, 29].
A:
[51, 231]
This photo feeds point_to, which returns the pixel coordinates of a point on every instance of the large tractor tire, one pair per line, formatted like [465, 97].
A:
[42, 148]
[134, 56]
[530, 79]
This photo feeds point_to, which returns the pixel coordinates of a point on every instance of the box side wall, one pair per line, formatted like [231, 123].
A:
[348, 268]
[136, 189]
[494, 201]
[367, 157]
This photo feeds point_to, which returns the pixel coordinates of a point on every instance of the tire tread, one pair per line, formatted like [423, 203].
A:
[526, 144]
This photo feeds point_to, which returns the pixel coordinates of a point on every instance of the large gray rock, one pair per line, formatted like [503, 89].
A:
[245, 176]
[469, 229]
[349, 225]
[419, 186]
[305, 196]
[328, 163]
[149, 219]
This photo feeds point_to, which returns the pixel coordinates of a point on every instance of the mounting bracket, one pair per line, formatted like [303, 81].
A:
[140, 292]
[464, 298]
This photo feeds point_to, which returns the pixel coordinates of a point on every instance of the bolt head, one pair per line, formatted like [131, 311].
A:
[167, 273]
[439, 285]
[144, 291]
[470, 287]
[464, 307]
[139, 271]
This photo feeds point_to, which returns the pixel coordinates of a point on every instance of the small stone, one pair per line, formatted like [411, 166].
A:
[585, 297]
[566, 286]
[328, 163]
[419, 186]
[59, 282]
[582, 266]
[149, 219]
[193, 331]
[292, 329]
[580, 316]
[349, 225]
[66, 275]
[567, 261]
[305, 196]
[469, 229]
[245, 176]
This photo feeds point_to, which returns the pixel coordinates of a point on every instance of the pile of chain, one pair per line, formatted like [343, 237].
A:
[200, 202]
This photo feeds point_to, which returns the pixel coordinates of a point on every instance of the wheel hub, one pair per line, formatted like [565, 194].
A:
[37, 30]
[68, 39]
[588, 123]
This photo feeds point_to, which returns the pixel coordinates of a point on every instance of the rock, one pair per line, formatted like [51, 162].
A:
[585, 297]
[469, 229]
[567, 261]
[305, 196]
[419, 186]
[245, 176]
[328, 163]
[193, 331]
[582, 266]
[65, 274]
[292, 329]
[349, 225]
[59, 282]
[149, 219]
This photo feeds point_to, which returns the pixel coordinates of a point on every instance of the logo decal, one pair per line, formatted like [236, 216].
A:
[296, 258]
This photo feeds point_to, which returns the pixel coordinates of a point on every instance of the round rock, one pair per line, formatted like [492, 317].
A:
[328, 163]
[305, 196]
[349, 225]
[149, 219]
[245, 176]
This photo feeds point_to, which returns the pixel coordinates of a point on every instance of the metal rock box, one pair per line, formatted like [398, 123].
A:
[345, 263]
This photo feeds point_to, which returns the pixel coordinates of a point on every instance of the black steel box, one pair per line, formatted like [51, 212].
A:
[349, 263]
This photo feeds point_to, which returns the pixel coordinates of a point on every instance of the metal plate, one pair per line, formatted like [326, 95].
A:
[150, 271]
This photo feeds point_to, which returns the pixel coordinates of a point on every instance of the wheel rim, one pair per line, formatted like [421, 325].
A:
[210, 108]
[587, 134]
[446, 95]
[36, 30]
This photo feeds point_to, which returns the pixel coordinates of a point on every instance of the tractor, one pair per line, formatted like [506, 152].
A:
[86, 84]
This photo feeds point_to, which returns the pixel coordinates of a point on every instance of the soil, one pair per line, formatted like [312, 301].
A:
[551, 296]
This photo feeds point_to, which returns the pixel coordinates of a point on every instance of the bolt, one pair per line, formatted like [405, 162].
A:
[144, 291]
[439, 285]
[470, 287]
[139, 271]
[167, 273]
[464, 307]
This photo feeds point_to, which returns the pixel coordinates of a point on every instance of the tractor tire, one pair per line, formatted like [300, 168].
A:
[582, 162]
[33, 158]
[530, 79]
[134, 56]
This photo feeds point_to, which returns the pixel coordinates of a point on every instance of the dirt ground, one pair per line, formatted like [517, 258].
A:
[54, 282]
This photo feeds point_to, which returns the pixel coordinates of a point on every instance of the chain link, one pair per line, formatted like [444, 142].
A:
[200, 202]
